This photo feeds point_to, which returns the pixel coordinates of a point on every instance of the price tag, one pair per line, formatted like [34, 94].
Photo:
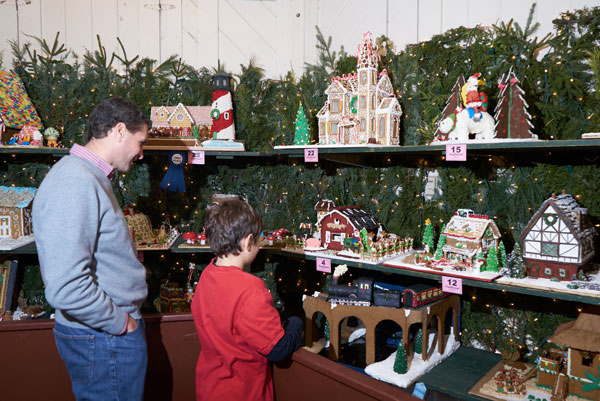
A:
[324, 265]
[196, 157]
[456, 152]
[311, 155]
[452, 284]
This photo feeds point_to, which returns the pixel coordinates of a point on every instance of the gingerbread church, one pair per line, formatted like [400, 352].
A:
[361, 108]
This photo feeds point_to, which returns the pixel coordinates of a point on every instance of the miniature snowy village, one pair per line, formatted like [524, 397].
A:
[361, 108]
[469, 246]
[349, 233]
[421, 312]
[184, 127]
[145, 237]
[568, 369]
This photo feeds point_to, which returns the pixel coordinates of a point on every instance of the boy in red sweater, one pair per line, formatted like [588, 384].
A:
[238, 327]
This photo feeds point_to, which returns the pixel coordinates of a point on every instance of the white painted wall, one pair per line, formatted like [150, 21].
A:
[279, 34]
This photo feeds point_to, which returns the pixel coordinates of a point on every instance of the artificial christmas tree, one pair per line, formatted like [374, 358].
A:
[453, 103]
[302, 135]
[439, 252]
[428, 243]
[419, 342]
[492, 260]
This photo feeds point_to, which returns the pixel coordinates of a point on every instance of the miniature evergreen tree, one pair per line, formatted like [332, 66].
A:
[419, 342]
[491, 263]
[326, 330]
[439, 252]
[512, 118]
[453, 102]
[502, 252]
[518, 268]
[302, 135]
[401, 362]
[482, 258]
[428, 236]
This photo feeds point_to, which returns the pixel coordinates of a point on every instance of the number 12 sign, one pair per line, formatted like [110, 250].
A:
[452, 284]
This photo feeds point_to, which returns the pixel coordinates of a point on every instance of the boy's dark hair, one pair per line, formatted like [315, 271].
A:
[228, 222]
[112, 111]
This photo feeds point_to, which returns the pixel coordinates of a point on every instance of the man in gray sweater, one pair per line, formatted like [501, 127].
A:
[88, 259]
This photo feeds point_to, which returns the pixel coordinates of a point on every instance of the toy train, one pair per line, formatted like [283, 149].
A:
[365, 293]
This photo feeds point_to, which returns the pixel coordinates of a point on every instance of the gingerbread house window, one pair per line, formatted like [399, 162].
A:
[335, 106]
[562, 272]
[226, 116]
[363, 77]
[179, 116]
[372, 101]
[549, 249]
[587, 358]
[333, 128]
[363, 102]
[381, 126]
[548, 271]
[363, 124]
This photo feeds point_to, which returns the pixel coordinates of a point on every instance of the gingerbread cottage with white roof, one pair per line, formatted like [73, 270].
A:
[361, 108]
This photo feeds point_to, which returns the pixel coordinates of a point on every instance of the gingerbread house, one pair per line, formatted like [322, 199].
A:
[345, 222]
[469, 235]
[15, 212]
[559, 239]
[361, 108]
[181, 118]
[323, 207]
[575, 371]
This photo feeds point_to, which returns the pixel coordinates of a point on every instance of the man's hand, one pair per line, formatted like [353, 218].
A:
[131, 324]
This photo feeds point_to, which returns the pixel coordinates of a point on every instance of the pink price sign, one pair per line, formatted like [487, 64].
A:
[456, 152]
[196, 157]
[452, 284]
[324, 265]
[311, 155]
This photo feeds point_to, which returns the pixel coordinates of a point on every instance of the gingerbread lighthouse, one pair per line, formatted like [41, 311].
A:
[222, 108]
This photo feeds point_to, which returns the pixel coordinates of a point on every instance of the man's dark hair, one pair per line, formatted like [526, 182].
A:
[112, 111]
[227, 223]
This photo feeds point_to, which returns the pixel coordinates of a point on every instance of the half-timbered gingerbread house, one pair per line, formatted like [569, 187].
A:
[575, 371]
[469, 235]
[559, 239]
[345, 222]
[181, 117]
[15, 212]
[361, 108]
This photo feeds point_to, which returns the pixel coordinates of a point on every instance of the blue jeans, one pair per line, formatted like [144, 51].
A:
[104, 367]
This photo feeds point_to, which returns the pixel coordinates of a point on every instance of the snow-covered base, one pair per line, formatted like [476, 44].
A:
[219, 144]
[384, 370]
[157, 247]
[345, 255]
[405, 262]
[337, 145]
[8, 244]
[558, 286]
[495, 140]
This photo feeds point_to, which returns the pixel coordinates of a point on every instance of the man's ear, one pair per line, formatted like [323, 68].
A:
[119, 131]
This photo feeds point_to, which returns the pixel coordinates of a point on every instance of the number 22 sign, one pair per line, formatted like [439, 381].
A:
[311, 155]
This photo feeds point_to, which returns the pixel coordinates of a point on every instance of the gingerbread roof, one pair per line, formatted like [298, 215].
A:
[366, 53]
[582, 333]
[568, 210]
[16, 197]
[469, 226]
[356, 216]
[200, 115]
[324, 205]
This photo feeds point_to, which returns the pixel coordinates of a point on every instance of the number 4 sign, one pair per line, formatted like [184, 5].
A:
[452, 284]
[324, 265]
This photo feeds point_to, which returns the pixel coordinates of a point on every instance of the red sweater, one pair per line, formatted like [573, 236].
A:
[237, 327]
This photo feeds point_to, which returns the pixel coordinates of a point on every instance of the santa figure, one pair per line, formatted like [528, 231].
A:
[471, 96]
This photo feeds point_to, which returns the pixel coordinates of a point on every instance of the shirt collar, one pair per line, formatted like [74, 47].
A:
[85, 153]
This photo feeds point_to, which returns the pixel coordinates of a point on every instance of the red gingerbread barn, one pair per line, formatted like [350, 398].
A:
[345, 222]
[559, 239]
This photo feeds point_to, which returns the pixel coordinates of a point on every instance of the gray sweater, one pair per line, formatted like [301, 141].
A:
[87, 256]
